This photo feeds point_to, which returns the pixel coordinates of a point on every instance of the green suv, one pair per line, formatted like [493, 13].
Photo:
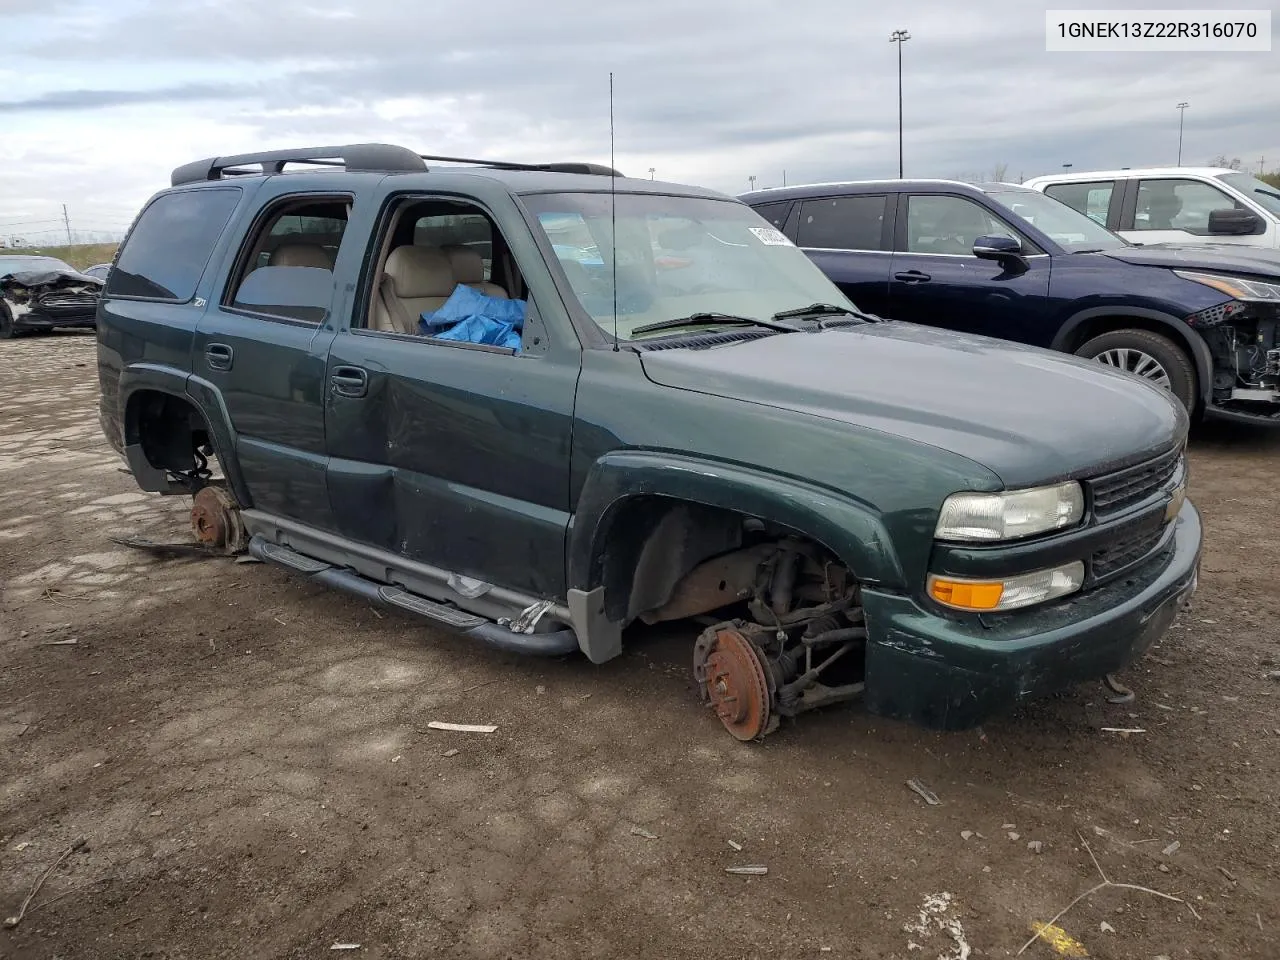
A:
[539, 403]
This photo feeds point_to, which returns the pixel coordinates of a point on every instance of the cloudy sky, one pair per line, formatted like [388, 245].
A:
[102, 98]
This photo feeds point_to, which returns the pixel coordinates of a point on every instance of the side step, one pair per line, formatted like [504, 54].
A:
[554, 644]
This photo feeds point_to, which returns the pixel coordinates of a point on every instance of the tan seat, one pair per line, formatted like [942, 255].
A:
[468, 268]
[415, 280]
[300, 255]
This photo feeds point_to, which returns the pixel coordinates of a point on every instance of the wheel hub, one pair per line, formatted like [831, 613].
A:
[215, 519]
[734, 682]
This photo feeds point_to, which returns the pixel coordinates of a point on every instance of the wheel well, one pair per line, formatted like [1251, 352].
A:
[651, 544]
[1097, 326]
[172, 433]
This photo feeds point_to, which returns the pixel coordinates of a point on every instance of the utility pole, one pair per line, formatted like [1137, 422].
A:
[1182, 112]
[1261, 169]
[899, 37]
[651, 173]
[784, 178]
[1067, 166]
[66, 220]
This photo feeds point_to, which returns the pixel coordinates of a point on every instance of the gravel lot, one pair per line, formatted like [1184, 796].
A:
[250, 763]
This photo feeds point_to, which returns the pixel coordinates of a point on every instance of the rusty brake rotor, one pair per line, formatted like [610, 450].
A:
[215, 519]
[734, 681]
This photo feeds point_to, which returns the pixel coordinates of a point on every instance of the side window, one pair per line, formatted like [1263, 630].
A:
[285, 269]
[445, 273]
[458, 230]
[1091, 199]
[775, 213]
[842, 223]
[1178, 205]
[949, 225]
[167, 250]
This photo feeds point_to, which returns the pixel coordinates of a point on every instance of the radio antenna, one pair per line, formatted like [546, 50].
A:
[613, 216]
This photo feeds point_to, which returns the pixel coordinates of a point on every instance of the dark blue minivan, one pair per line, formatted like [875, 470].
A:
[1005, 261]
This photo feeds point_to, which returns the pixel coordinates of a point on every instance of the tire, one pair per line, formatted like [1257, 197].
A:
[6, 324]
[1151, 356]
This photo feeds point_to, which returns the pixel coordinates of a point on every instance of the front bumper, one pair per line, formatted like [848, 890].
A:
[39, 320]
[951, 674]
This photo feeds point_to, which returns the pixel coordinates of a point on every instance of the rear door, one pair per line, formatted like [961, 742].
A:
[939, 282]
[1099, 200]
[849, 238]
[263, 345]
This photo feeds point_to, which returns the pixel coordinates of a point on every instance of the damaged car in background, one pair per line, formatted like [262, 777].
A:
[42, 293]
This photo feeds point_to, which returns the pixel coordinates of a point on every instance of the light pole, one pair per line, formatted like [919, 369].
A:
[1182, 111]
[651, 173]
[752, 181]
[1067, 166]
[899, 37]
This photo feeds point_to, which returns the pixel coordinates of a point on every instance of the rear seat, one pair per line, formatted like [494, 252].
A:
[300, 255]
[468, 268]
[416, 280]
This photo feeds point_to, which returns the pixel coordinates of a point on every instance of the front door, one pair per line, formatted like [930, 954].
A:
[451, 453]
[1175, 210]
[937, 281]
[264, 345]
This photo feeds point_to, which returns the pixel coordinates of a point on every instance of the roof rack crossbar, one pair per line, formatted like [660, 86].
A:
[379, 157]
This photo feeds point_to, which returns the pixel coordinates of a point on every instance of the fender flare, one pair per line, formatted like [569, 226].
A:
[852, 530]
[206, 400]
[1196, 347]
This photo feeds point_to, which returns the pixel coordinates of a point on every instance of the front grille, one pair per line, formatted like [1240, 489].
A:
[1126, 551]
[1121, 489]
[68, 304]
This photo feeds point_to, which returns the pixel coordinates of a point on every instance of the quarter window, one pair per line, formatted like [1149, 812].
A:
[842, 223]
[775, 213]
[1091, 199]
[167, 249]
[1178, 205]
[949, 225]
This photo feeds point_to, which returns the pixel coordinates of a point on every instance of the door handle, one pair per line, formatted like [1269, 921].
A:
[912, 276]
[219, 356]
[349, 381]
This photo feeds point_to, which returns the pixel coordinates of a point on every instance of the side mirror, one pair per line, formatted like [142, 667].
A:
[1007, 251]
[1234, 222]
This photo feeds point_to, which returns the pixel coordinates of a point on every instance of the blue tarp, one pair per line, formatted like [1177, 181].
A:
[470, 316]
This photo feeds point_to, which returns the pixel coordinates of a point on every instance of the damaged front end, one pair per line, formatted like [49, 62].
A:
[1243, 336]
[43, 300]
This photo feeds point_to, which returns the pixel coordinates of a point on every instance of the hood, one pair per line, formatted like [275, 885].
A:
[1234, 258]
[40, 278]
[1028, 415]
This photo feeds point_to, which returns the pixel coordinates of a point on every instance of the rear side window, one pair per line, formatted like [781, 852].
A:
[167, 250]
[775, 213]
[842, 223]
[1091, 199]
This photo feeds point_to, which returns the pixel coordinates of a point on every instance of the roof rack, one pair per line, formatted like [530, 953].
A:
[356, 157]
[380, 157]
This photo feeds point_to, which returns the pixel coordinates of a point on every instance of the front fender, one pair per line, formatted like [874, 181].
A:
[850, 529]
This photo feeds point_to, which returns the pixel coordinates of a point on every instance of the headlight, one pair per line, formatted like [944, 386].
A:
[1238, 287]
[1010, 593]
[1012, 515]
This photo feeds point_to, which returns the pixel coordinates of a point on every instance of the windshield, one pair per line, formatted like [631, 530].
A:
[1263, 194]
[1066, 226]
[32, 265]
[676, 256]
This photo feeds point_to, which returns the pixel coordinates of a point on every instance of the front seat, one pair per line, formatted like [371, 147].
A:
[414, 281]
[300, 255]
[1162, 206]
[468, 268]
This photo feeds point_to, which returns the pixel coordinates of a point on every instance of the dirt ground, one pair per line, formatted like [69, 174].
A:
[250, 764]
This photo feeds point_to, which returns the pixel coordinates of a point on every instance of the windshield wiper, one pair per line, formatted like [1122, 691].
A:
[824, 310]
[694, 319]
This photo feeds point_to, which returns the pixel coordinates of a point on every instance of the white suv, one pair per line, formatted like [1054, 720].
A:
[1173, 204]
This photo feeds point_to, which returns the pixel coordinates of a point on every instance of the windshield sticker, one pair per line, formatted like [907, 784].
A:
[771, 237]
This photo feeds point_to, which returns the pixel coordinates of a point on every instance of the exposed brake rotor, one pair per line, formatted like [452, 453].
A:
[215, 519]
[733, 681]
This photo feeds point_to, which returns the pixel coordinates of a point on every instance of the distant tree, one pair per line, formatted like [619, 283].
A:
[1221, 161]
[1000, 172]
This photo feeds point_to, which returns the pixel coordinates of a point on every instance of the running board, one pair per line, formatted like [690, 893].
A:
[554, 644]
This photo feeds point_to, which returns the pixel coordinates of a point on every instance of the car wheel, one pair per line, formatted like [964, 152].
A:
[1151, 356]
[6, 324]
